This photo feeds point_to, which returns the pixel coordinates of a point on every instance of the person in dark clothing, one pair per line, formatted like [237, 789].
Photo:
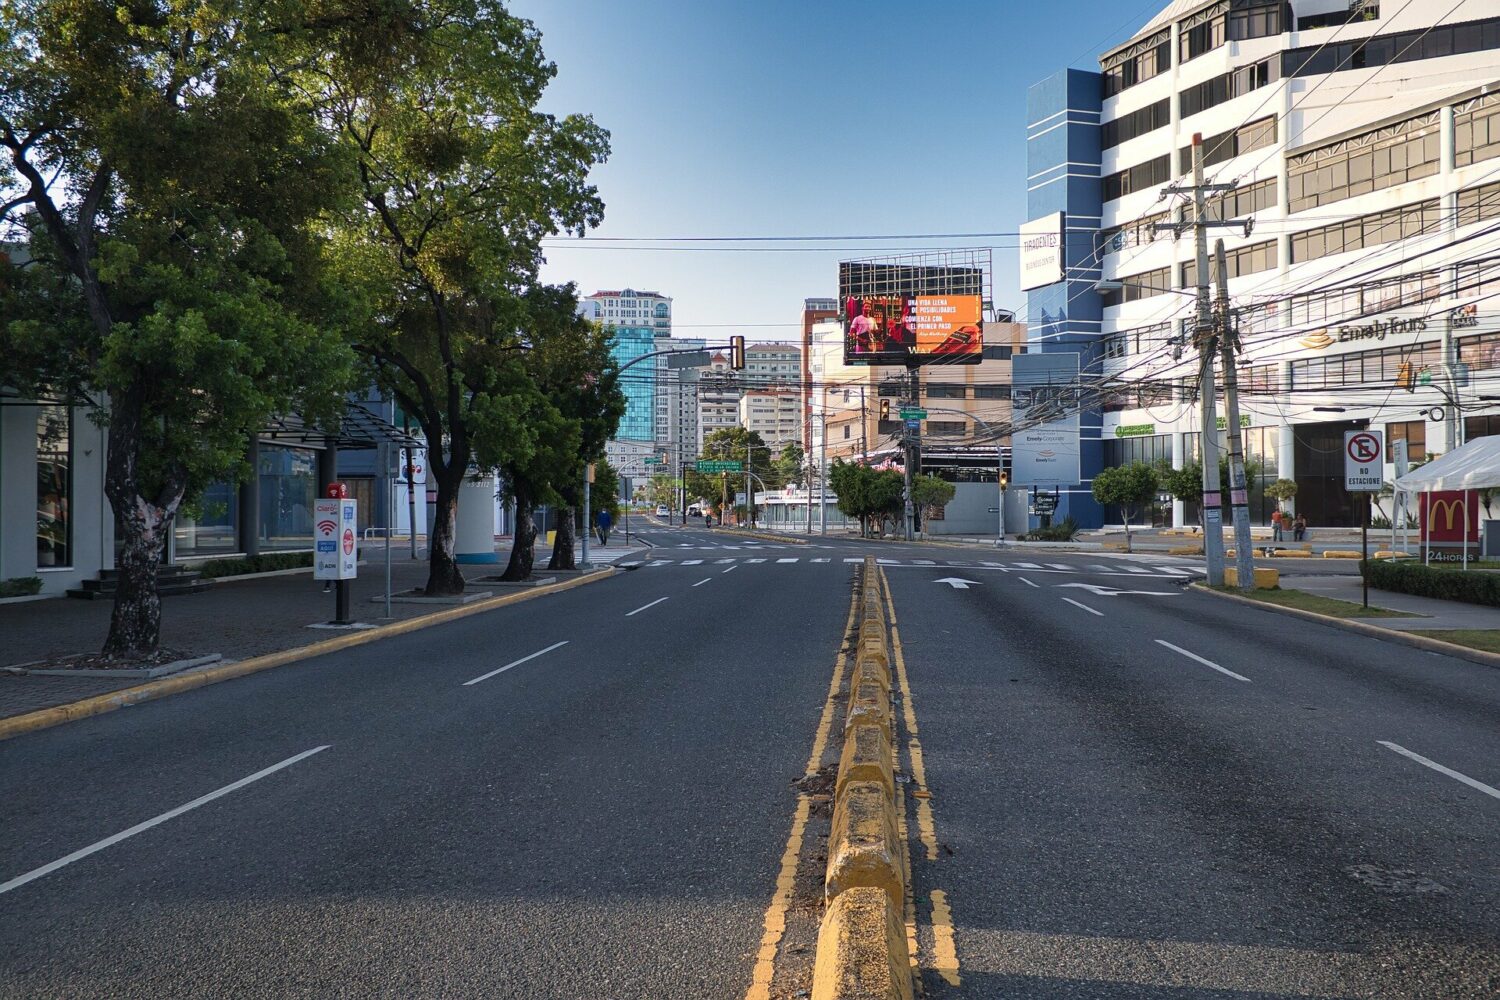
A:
[604, 523]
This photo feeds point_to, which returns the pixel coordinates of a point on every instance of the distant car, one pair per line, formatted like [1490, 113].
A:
[662, 511]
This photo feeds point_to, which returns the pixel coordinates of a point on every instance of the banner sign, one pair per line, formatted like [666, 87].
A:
[1045, 399]
[335, 539]
[1449, 515]
[1042, 251]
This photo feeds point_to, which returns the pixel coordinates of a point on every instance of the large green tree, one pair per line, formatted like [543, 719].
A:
[460, 177]
[872, 495]
[169, 178]
[734, 444]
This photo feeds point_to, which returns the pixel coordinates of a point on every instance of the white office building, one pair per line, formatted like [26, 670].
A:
[1362, 143]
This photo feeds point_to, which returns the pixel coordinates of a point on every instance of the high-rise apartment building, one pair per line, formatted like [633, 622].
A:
[718, 398]
[677, 403]
[774, 414]
[814, 311]
[637, 318]
[1362, 141]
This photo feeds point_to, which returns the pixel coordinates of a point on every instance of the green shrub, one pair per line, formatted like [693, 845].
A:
[1473, 587]
[21, 586]
[1063, 531]
[264, 563]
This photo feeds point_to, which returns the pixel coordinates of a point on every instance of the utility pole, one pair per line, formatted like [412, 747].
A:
[1244, 557]
[1204, 340]
[822, 478]
[863, 419]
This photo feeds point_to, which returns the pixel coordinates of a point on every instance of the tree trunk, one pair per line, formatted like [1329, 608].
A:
[521, 550]
[443, 575]
[135, 620]
[562, 546]
[1127, 529]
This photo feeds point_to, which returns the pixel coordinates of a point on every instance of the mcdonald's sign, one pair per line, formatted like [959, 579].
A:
[1449, 516]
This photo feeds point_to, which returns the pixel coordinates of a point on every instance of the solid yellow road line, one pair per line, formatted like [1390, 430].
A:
[99, 704]
[786, 879]
[945, 957]
[945, 952]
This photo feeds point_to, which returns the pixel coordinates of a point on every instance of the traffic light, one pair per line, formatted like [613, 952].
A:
[1403, 377]
[885, 409]
[1004, 479]
[737, 352]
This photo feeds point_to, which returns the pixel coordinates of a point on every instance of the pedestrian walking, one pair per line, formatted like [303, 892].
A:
[604, 523]
[1276, 522]
[1299, 528]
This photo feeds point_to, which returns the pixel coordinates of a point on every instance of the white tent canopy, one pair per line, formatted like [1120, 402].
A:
[1474, 466]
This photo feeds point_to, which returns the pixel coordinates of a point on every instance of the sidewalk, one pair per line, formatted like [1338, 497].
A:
[236, 618]
[1439, 614]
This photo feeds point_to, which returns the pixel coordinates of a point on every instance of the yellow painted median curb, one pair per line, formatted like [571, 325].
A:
[99, 704]
[1342, 554]
[862, 951]
[765, 536]
[1291, 554]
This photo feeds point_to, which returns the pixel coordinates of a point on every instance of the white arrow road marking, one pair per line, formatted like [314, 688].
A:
[958, 584]
[201, 800]
[1094, 588]
[1199, 659]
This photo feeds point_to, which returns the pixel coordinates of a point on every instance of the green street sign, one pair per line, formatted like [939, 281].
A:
[913, 414]
[653, 461]
[706, 465]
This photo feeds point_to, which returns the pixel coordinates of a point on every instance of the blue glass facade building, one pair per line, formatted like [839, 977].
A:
[639, 384]
[1062, 175]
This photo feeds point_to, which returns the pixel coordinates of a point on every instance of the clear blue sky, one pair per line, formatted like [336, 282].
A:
[805, 118]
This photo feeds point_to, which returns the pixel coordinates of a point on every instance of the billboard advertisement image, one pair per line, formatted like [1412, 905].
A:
[912, 314]
[1045, 400]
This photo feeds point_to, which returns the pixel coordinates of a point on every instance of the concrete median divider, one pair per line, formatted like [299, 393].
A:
[862, 942]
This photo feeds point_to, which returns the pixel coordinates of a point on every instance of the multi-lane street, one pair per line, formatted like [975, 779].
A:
[1137, 790]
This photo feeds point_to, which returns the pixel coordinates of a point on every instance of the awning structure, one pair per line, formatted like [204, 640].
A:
[359, 428]
[1474, 466]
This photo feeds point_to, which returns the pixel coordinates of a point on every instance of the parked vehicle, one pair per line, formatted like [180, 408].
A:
[662, 511]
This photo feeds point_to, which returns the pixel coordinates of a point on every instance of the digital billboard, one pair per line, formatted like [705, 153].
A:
[1045, 399]
[903, 314]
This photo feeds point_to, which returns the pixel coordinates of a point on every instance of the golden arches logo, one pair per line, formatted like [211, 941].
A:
[1449, 508]
[1316, 341]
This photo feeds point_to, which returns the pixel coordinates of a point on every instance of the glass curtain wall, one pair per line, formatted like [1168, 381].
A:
[288, 486]
[54, 486]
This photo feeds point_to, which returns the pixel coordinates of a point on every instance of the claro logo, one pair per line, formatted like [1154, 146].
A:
[1317, 340]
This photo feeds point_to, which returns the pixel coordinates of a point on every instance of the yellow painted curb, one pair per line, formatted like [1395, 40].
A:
[869, 705]
[99, 704]
[872, 667]
[866, 757]
[864, 847]
[1375, 631]
[1265, 579]
[1388, 554]
[1186, 550]
[1342, 554]
[862, 951]
[1291, 554]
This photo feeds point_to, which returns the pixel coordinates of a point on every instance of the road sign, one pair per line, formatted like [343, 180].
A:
[690, 359]
[706, 465]
[913, 424]
[913, 414]
[653, 461]
[1364, 458]
[994, 510]
[959, 584]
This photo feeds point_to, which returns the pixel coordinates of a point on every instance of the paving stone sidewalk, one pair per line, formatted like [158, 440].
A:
[237, 618]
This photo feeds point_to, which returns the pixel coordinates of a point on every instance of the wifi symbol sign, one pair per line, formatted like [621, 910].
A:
[326, 527]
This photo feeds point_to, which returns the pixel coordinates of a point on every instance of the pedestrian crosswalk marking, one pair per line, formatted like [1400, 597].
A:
[721, 562]
[923, 562]
[1063, 566]
[1104, 569]
[821, 559]
[692, 562]
[786, 560]
[754, 560]
[1028, 566]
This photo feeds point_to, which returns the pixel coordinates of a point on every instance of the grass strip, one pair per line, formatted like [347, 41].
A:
[1331, 606]
[1486, 639]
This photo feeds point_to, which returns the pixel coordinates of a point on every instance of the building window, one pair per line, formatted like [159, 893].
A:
[288, 487]
[1366, 231]
[1137, 63]
[1203, 32]
[947, 428]
[938, 390]
[1136, 123]
[846, 432]
[1366, 367]
[1383, 50]
[1139, 286]
[54, 486]
[1140, 177]
[1258, 20]
[213, 529]
[1131, 234]
[1227, 145]
[1477, 427]
[1476, 130]
[1117, 346]
[1236, 204]
[992, 392]
[1244, 260]
[1236, 83]
[1370, 161]
[1414, 433]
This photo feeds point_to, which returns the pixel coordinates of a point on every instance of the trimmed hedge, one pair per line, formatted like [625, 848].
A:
[21, 586]
[1472, 587]
[264, 563]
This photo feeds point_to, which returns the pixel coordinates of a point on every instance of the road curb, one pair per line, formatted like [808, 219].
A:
[46, 718]
[862, 944]
[1374, 631]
